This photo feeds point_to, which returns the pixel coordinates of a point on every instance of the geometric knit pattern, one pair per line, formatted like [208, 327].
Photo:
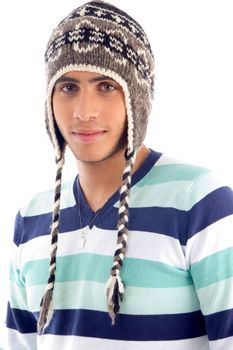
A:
[177, 272]
[111, 40]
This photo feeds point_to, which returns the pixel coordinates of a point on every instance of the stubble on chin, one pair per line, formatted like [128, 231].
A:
[118, 148]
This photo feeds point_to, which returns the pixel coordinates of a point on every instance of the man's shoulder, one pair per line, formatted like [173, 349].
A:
[43, 201]
[183, 167]
[194, 181]
[172, 182]
[171, 169]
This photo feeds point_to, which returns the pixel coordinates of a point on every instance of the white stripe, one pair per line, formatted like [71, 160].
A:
[52, 342]
[166, 160]
[213, 239]
[222, 344]
[165, 249]
[18, 341]
[216, 297]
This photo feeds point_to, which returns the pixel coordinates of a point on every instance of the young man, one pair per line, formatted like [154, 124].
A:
[141, 244]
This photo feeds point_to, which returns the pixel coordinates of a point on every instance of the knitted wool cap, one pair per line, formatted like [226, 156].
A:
[99, 37]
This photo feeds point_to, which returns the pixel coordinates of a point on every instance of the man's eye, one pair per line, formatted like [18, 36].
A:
[107, 87]
[69, 88]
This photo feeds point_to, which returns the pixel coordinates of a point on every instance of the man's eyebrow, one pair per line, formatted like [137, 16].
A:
[92, 80]
[100, 78]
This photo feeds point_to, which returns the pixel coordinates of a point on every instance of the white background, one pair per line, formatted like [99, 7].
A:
[192, 114]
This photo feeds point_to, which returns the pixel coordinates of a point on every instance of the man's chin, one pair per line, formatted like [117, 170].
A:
[97, 159]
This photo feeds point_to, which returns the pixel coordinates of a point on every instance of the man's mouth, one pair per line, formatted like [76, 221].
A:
[88, 135]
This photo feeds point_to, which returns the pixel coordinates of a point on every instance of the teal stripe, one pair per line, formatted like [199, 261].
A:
[154, 191]
[43, 202]
[219, 295]
[90, 296]
[213, 268]
[18, 297]
[156, 195]
[93, 267]
[172, 172]
[14, 275]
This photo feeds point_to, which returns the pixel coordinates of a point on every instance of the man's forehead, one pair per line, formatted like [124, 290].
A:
[78, 76]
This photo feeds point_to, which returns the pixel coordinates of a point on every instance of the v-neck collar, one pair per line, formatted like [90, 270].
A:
[89, 217]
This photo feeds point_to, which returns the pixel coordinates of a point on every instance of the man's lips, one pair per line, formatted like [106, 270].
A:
[88, 135]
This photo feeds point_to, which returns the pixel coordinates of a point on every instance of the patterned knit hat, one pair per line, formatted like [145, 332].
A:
[99, 37]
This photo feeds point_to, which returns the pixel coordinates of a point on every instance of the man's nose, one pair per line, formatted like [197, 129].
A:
[86, 106]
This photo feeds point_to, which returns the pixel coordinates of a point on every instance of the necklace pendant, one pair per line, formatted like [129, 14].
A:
[82, 242]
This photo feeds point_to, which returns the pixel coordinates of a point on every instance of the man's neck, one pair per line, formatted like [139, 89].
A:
[100, 180]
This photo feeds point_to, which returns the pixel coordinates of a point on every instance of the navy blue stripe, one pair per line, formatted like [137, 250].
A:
[88, 323]
[220, 325]
[29, 227]
[128, 327]
[168, 221]
[172, 222]
[23, 321]
[215, 206]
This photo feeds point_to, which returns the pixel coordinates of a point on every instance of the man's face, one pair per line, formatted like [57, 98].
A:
[90, 113]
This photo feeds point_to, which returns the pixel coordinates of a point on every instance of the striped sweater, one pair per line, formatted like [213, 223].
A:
[178, 269]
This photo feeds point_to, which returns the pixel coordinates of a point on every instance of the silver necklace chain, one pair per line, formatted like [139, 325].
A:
[83, 234]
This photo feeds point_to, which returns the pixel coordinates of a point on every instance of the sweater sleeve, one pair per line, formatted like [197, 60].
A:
[20, 321]
[209, 254]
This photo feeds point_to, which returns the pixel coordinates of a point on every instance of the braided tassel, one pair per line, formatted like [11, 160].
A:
[115, 287]
[46, 305]
[114, 291]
